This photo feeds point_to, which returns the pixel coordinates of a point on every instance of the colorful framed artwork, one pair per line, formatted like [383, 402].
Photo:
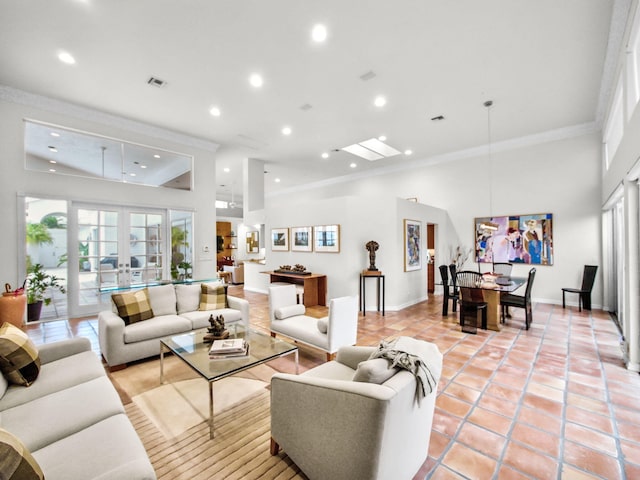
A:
[253, 243]
[326, 238]
[301, 239]
[412, 238]
[280, 239]
[515, 239]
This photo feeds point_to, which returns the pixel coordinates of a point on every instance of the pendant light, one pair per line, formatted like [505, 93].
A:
[490, 225]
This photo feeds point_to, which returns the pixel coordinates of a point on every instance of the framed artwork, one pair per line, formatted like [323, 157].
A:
[515, 239]
[326, 238]
[280, 239]
[301, 239]
[412, 238]
[253, 243]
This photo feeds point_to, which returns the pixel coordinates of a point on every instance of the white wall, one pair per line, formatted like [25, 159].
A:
[16, 180]
[561, 177]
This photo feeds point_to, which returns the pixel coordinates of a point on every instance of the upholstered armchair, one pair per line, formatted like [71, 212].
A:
[332, 426]
[330, 333]
[237, 273]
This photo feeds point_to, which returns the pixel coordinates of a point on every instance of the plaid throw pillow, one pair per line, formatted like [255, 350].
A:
[19, 360]
[133, 306]
[15, 460]
[213, 297]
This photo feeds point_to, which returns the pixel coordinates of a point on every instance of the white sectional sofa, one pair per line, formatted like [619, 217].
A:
[175, 310]
[71, 418]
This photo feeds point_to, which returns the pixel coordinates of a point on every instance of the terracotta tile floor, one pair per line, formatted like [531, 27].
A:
[551, 402]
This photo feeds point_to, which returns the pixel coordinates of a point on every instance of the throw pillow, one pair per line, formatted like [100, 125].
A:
[323, 325]
[188, 298]
[133, 306]
[213, 297]
[19, 360]
[374, 371]
[289, 311]
[16, 462]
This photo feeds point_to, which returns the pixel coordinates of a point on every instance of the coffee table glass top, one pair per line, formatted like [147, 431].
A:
[195, 352]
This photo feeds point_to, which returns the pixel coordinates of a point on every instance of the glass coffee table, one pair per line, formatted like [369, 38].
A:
[193, 351]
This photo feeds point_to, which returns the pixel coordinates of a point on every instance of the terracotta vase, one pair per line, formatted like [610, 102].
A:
[12, 309]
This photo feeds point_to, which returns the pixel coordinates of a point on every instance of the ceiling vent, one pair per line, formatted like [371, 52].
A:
[367, 76]
[156, 82]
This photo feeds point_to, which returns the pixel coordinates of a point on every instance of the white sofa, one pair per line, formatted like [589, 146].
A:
[175, 310]
[288, 318]
[350, 420]
[71, 418]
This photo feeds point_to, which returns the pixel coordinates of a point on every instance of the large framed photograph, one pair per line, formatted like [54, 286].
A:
[301, 239]
[326, 238]
[280, 239]
[515, 239]
[412, 239]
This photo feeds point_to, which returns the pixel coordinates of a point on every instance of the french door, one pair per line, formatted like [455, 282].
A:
[116, 248]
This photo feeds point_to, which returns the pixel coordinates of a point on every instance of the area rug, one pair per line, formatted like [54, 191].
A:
[181, 449]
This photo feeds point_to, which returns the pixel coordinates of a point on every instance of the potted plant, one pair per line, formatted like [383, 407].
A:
[38, 282]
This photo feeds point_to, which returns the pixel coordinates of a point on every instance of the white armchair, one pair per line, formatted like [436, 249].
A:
[288, 318]
[237, 273]
[334, 426]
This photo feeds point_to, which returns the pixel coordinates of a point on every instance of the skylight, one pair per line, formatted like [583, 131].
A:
[372, 149]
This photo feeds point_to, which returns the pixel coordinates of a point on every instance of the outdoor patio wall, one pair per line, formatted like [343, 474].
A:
[15, 180]
[561, 177]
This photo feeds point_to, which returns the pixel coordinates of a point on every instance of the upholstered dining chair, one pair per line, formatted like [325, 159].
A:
[471, 301]
[520, 301]
[450, 292]
[584, 293]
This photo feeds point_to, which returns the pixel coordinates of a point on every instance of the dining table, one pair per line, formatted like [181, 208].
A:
[492, 286]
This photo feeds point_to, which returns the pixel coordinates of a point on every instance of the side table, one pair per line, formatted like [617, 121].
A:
[363, 284]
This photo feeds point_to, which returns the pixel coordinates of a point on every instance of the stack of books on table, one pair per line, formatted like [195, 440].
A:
[229, 347]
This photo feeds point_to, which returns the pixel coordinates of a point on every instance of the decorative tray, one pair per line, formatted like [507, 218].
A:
[292, 272]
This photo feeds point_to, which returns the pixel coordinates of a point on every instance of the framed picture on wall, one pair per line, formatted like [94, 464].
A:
[412, 245]
[280, 239]
[326, 238]
[301, 239]
[515, 239]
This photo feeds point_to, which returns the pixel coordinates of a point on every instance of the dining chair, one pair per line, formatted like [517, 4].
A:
[503, 269]
[520, 301]
[584, 293]
[449, 290]
[471, 300]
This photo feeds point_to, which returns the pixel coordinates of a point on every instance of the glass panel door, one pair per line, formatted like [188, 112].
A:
[117, 248]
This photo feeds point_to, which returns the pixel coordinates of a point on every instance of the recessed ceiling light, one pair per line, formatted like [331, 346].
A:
[286, 130]
[325, 155]
[132, 174]
[380, 101]
[156, 156]
[256, 80]
[277, 180]
[353, 165]
[408, 152]
[215, 111]
[66, 57]
[52, 161]
[55, 134]
[53, 149]
[319, 33]
[226, 169]
[382, 138]
[372, 149]
[52, 170]
[143, 166]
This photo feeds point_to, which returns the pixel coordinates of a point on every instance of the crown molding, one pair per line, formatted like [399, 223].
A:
[14, 95]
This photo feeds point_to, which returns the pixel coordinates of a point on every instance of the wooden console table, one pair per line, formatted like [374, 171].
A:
[314, 284]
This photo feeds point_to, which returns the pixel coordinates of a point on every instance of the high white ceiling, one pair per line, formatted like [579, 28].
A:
[540, 61]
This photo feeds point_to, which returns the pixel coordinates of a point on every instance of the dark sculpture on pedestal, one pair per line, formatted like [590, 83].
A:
[372, 246]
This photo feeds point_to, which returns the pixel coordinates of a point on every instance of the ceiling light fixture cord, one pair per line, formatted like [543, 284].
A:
[488, 105]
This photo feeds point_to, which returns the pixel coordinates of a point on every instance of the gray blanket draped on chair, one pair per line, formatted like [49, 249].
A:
[412, 355]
